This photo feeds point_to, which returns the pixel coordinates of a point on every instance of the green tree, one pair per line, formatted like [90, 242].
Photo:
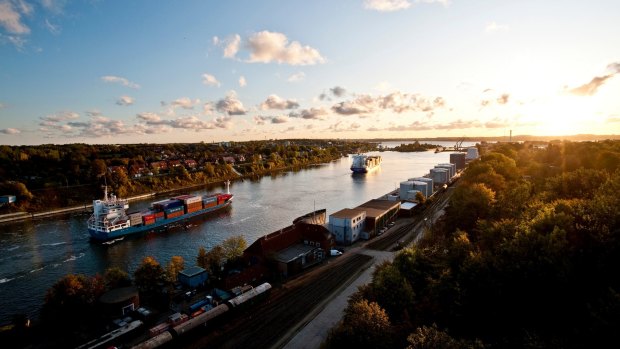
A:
[115, 277]
[234, 247]
[470, 203]
[215, 259]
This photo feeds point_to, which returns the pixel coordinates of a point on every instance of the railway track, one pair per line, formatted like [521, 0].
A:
[265, 324]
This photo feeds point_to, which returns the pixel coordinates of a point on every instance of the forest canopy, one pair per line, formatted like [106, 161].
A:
[525, 256]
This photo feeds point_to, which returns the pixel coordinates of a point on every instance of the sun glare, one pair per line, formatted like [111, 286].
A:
[563, 115]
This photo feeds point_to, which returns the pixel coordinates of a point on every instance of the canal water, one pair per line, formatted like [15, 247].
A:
[35, 254]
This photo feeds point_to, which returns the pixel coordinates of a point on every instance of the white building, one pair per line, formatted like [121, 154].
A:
[347, 225]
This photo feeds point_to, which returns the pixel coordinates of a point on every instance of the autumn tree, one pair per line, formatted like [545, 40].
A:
[201, 258]
[431, 337]
[149, 276]
[364, 325]
[175, 265]
[70, 302]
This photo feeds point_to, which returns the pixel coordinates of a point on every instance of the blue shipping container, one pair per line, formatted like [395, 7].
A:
[174, 209]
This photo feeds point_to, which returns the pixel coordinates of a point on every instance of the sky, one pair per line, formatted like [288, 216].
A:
[152, 71]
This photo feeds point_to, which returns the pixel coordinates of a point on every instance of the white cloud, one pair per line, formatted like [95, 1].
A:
[149, 117]
[119, 80]
[210, 80]
[242, 81]
[23, 7]
[338, 91]
[397, 5]
[54, 6]
[185, 103]
[10, 18]
[386, 5]
[312, 113]
[266, 47]
[223, 122]
[443, 2]
[125, 101]
[260, 120]
[275, 102]
[10, 131]
[191, 123]
[363, 104]
[494, 27]
[396, 102]
[230, 105]
[59, 117]
[297, 77]
[383, 86]
[208, 108]
[342, 127]
[279, 119]
[232, 46]
[53, 28]
[15, 40]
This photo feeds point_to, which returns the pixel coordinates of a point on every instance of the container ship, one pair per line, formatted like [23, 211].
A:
[364, 163]
[110, 221]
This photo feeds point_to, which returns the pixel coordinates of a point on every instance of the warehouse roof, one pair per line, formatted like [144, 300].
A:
[192, 271]
[347, 213]
[291, 253]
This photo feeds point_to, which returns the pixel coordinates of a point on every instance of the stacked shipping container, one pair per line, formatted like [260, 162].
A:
[191, 203]
[209, 201]
[148, 219]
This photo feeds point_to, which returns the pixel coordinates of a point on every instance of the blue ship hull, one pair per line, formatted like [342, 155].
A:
[359, 170]
[101, 236]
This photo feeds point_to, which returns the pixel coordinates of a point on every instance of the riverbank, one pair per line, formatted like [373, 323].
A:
[20, 216]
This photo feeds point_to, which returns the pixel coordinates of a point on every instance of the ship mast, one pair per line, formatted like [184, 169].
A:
[227, 186]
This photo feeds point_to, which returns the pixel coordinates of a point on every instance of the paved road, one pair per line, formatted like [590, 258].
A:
[314, 328]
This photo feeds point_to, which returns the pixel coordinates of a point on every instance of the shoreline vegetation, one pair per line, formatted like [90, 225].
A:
[415, 147]
[56, 179]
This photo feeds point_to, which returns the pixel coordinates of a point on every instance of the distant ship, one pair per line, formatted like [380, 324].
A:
[109, 220]
[364, 163]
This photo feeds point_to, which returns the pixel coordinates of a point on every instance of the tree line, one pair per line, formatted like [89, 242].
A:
[52, 176]
[526, 256]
